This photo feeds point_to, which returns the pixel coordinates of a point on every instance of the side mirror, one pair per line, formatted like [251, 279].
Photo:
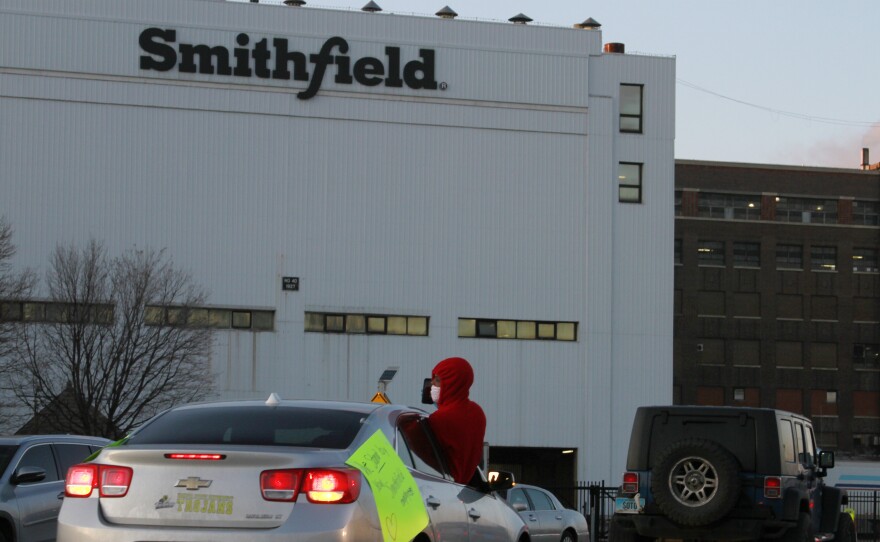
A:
[500, 480]
[826, 459]
[26, 475]
[520, 506]
[426, 392]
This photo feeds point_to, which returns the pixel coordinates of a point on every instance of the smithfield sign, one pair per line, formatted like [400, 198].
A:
[275, 60]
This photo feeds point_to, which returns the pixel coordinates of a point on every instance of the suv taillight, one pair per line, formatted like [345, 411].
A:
[338, 486]
[630, 482]
[110, 480]
[772, 487]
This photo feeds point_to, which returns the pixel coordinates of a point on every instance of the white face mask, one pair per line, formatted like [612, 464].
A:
[435, 394]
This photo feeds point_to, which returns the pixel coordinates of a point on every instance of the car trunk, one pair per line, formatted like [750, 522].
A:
[219, 493]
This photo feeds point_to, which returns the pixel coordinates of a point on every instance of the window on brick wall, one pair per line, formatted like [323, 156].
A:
[710, 252]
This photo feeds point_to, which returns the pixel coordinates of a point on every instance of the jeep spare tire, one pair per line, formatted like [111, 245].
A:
[695, 481]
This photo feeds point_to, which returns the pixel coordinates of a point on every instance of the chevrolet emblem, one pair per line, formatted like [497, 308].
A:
[193, 483]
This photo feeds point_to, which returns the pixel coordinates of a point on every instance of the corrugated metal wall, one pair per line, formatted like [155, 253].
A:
[495, 198]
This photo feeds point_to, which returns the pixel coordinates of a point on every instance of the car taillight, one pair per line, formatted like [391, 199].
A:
[337, 486]
[772, 487]
[110, 480]
[332, 486]
[80, 481]
[630, 482]
[280, 485]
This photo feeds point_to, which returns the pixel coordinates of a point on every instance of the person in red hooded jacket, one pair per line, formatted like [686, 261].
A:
[458, 423]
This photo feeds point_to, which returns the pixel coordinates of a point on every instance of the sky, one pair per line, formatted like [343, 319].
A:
[770, 81]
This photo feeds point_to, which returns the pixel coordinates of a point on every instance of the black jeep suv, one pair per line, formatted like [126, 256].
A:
[727, 473]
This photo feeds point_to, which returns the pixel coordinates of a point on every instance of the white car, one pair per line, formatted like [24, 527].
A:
[276, 471]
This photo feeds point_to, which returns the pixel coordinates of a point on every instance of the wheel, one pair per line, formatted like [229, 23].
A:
[621, 533]
[802, 532]
[846, 529]
[568, 536]
[695, 482]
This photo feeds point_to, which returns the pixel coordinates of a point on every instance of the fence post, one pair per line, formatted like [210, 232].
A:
[874, 516]
[595, 497]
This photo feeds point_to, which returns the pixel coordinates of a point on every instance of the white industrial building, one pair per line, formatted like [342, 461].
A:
[367, 190]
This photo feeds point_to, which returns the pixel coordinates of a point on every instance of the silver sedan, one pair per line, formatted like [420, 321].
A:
[273, 471]
[548, 519]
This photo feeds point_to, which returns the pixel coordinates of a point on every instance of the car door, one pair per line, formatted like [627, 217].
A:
[549, 517]
[484, 513]
[39, 501]
[440, 494]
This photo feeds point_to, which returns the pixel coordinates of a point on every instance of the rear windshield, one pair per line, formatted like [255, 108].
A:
[253, 425]
[6, 453]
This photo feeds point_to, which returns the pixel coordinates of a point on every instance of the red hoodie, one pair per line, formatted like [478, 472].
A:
[459, 423]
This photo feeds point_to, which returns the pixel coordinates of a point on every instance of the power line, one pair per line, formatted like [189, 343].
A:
[780, 112]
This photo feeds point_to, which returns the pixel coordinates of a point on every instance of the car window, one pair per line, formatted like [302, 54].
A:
[424, 454]
[810, 443]
[404, 452]
[786, 441]
[517, 496]
[804, 444]
[540, 500]
[71, 454]
[40, 456]
[253, 425]
[6, 453]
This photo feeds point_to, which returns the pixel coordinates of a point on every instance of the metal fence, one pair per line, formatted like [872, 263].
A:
[866, 504]
[596, 502]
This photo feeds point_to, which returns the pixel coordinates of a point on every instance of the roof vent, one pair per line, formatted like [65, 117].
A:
[273, 400]
[866, 162]
[446, 13]
[614, 48]
[520, 19]
[295, 3]
[589, 24]
[372, 7]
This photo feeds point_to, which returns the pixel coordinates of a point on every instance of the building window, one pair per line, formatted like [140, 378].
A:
[823, 403]
[366, 324]
[806, 210]
[866, 356]
[678, 203]
[746, 254]
[214, 318]
[823, 258]
[865, 260]
[789, 257]
[631, 108]
[483, 328]
[678, 255]
[866, 213]
[710, 252]
[56, 312]
[629, 176]
[729, 206]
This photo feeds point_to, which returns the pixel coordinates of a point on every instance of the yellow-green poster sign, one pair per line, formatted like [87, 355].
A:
[401, 509]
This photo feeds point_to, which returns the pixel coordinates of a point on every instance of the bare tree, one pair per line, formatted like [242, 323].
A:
[121, 340]
[15, 286]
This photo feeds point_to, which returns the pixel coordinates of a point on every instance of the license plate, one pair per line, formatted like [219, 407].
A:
[627, 505]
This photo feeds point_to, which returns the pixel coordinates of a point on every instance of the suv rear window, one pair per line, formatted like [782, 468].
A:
[253, 425]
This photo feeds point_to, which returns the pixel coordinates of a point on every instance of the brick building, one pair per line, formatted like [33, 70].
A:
[776, 293]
